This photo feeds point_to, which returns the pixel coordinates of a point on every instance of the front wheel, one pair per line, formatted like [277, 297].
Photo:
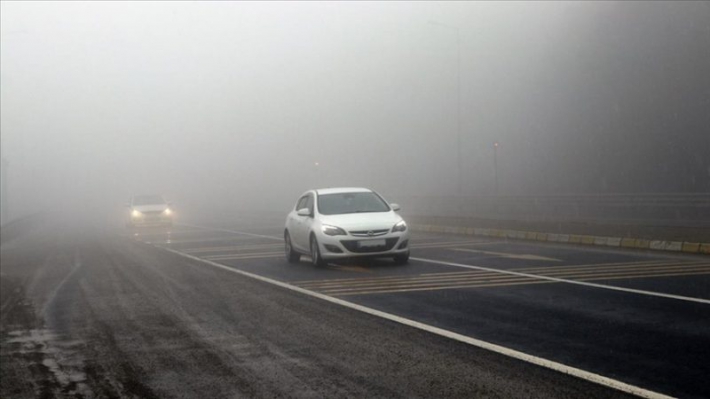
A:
[401, 259]
[316, 257]
[291, 255]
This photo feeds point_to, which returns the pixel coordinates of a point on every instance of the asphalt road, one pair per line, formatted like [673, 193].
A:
[209, 310]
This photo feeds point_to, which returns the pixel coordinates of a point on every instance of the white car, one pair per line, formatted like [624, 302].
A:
[336, 223]
[149, 210]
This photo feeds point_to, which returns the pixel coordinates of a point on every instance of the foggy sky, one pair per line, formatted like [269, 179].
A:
[235, 102]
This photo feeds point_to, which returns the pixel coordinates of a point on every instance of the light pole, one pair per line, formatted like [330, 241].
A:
[495, 164]
[458, 101]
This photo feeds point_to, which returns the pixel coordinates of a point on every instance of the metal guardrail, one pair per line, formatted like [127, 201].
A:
[648, 209]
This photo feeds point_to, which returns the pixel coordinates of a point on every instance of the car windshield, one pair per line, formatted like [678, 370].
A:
[148, 200]
[341, 203]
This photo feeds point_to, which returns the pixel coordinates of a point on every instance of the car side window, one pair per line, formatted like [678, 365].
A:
[309, 203]
[301, 203]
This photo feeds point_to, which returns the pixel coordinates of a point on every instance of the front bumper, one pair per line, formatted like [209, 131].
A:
[150, 220]
[340, 247]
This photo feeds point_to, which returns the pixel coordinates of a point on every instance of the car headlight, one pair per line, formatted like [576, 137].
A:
[400, 226]
[333, 231]
[167, 212]
[136, 214]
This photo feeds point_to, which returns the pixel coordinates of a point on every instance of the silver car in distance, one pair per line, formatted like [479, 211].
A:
[337, 223]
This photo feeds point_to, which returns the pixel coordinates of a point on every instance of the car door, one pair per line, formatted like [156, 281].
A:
[309, 220]
[306, 223]
[296, 225]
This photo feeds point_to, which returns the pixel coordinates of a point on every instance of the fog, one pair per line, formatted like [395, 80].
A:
[238, 105]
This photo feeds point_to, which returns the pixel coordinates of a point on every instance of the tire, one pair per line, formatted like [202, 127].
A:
[316, 257]
[291, 255]
[401, 259]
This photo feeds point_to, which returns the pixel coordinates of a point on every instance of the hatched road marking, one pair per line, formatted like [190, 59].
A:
[230, 248]
[356, 269]
[484, 279]
[577, 282]
[508, 255]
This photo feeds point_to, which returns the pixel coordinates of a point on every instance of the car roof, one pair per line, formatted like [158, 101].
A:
[339, 190]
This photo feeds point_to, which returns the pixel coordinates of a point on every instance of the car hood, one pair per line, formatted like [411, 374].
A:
[150, 208]
[362, 221]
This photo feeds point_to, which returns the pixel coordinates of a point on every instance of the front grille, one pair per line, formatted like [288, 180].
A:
[369, 233]
[351, 245]
[152, 213]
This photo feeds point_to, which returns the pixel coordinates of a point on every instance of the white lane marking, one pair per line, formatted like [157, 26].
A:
[454, 243]
[230, 248]
[232, 239]
[232, 231]
[585, 375]
[246, 255]
[165, 233]
[507, 255]
[562, 280]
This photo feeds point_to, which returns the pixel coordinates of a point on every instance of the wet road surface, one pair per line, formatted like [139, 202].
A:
[116, 313]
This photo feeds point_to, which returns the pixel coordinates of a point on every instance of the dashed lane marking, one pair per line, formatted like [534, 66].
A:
[552, 365]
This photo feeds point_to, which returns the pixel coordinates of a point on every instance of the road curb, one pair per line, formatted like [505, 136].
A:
[577, 239]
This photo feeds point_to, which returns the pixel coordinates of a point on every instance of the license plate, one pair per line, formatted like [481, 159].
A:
[371, 243]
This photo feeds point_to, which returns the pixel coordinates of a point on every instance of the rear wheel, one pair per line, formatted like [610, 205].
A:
[291, 255]
[401, 259]
[316, 257]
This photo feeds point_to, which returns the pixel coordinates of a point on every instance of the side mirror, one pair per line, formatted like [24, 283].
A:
[395, 207]
[303, 212]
